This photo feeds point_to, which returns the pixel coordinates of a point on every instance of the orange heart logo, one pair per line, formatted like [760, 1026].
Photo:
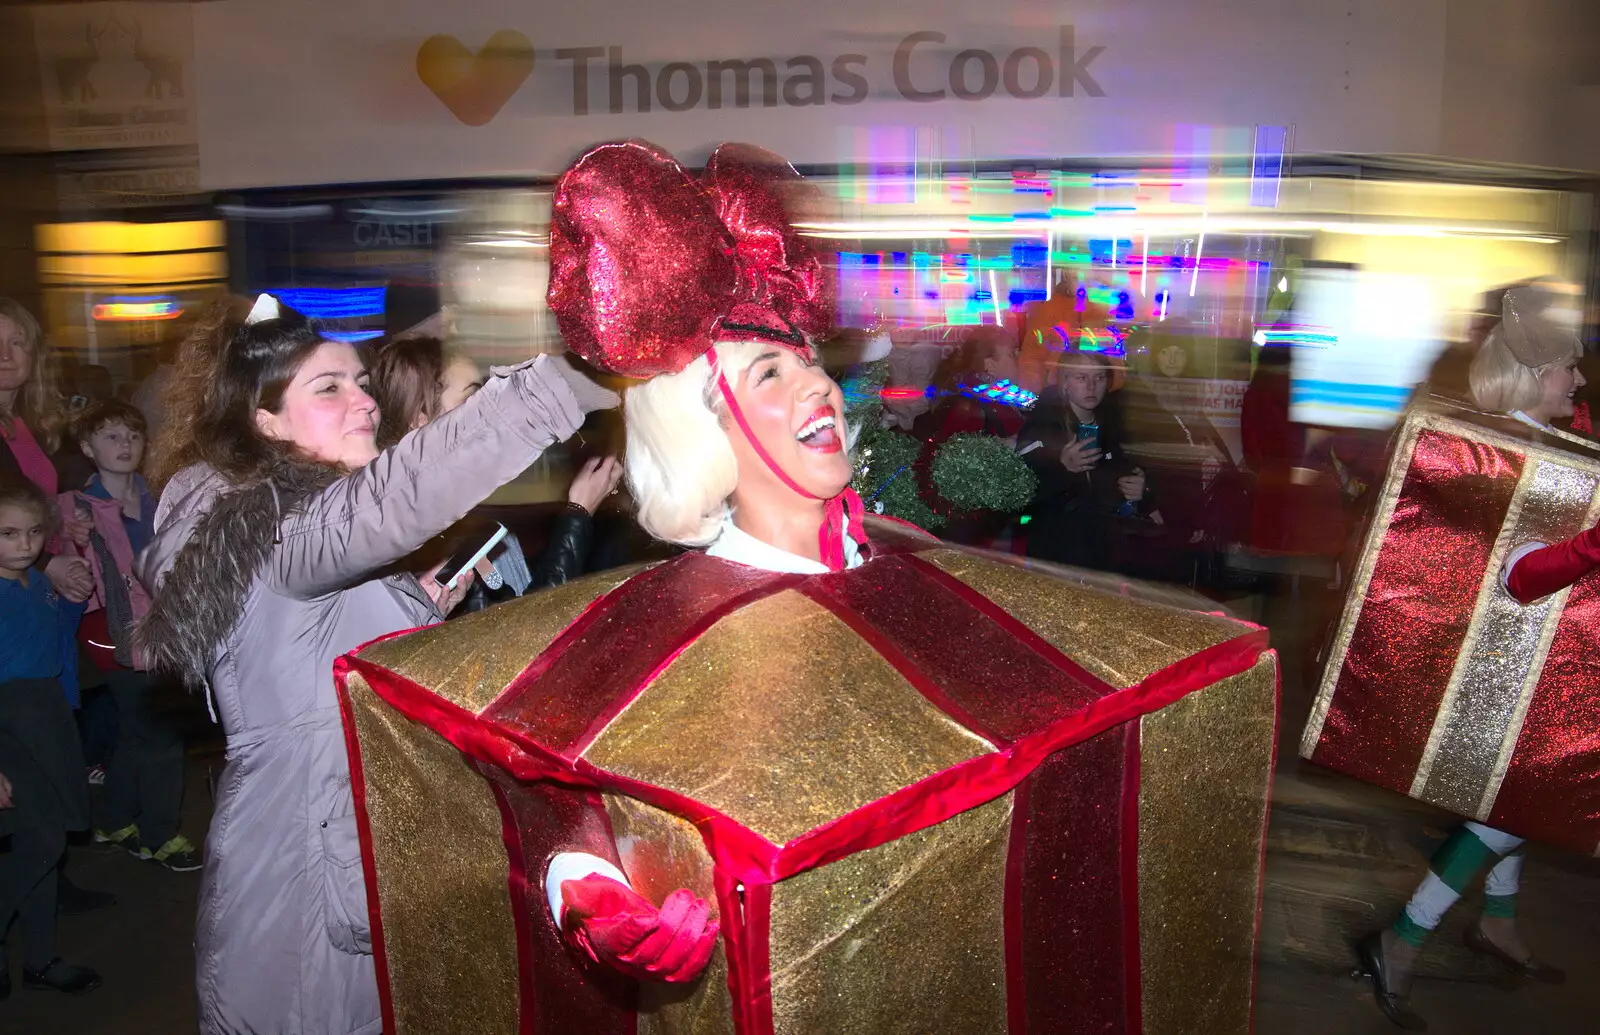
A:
[475, 86]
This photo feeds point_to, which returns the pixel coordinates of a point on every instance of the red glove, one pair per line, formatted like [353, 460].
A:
[1554, 568]
[613, 925]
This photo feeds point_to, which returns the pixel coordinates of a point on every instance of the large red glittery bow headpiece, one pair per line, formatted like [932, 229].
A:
[650, 267]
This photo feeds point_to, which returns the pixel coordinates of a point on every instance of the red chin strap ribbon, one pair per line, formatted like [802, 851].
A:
[838, 513]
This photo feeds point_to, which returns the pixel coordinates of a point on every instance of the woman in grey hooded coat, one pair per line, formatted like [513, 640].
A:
[268, 563]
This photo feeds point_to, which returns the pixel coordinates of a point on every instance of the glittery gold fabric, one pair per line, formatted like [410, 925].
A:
[1077, 618]
[471, 660]
[783, 714]
[661, 853]
[846, 730]
[905, 937]
[451, 944]
[1205, 769]
[1504, 651]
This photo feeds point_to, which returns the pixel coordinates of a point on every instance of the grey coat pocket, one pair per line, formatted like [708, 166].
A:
[342, 886]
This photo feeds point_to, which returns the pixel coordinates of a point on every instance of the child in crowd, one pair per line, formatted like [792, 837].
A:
[1088, 489]
[144, 777]
[43, 793]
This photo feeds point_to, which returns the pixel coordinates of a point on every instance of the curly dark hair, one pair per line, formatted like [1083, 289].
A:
[226, 371]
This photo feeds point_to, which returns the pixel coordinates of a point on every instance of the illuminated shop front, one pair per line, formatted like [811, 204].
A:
[1370, 275]
[1235, 260]
[114, 291]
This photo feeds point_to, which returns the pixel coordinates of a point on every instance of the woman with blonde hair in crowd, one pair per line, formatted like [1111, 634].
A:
[32, 421]
[276, 540]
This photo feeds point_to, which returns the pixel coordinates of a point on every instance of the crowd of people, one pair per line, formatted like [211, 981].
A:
[70, 604]
[90, 653]
[291, 507]
[1134, 473]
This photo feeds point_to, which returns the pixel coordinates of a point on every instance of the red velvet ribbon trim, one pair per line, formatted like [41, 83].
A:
[758, 955]
[1132, 962]
[936, 798]
[745, 909]
[369, 864]
[1016, 857]
[747, 855]
[838, 513]
[596, 609]
[709, 619]
[897, 660]
[1000, 616]
[517, 879]
[513, 752]
[730, 913]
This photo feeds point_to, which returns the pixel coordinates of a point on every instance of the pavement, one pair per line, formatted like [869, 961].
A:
[1343, 857]
[143, 946]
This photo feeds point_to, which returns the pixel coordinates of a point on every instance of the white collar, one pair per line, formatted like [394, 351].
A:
[1529, 421]
[735, 544]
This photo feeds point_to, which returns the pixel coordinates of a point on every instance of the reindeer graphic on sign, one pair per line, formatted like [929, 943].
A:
[115, 42]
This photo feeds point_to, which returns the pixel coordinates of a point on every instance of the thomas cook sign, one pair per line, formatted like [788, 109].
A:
[398, 90]
[924, 68]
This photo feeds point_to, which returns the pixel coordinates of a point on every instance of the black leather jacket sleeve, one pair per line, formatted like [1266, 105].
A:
[568, 550]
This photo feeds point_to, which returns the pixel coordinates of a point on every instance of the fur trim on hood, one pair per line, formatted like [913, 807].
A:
[202, 595]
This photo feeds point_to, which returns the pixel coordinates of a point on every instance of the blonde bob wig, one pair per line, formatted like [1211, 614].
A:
[1500, 383]
[680, 464]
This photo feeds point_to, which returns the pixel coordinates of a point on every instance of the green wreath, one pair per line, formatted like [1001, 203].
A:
[970, 472]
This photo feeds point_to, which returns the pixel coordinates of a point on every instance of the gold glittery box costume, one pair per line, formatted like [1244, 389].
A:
[934, 793]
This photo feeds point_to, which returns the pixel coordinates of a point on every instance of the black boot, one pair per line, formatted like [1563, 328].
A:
[61, 976]
[1390, 989]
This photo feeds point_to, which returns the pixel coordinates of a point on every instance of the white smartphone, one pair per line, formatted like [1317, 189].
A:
[474, 548]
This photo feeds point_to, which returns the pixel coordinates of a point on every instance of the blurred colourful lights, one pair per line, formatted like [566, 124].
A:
[134, 309]
[333, 303]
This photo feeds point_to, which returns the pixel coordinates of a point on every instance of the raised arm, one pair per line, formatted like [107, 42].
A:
[1535, 571]
[431, 478]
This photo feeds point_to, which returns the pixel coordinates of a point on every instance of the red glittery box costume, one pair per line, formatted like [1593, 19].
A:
[1442, 686]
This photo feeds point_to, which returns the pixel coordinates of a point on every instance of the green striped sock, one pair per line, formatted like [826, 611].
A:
[1456, 862]
[1500, 905]
[1460, 858]
[1408, 931]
